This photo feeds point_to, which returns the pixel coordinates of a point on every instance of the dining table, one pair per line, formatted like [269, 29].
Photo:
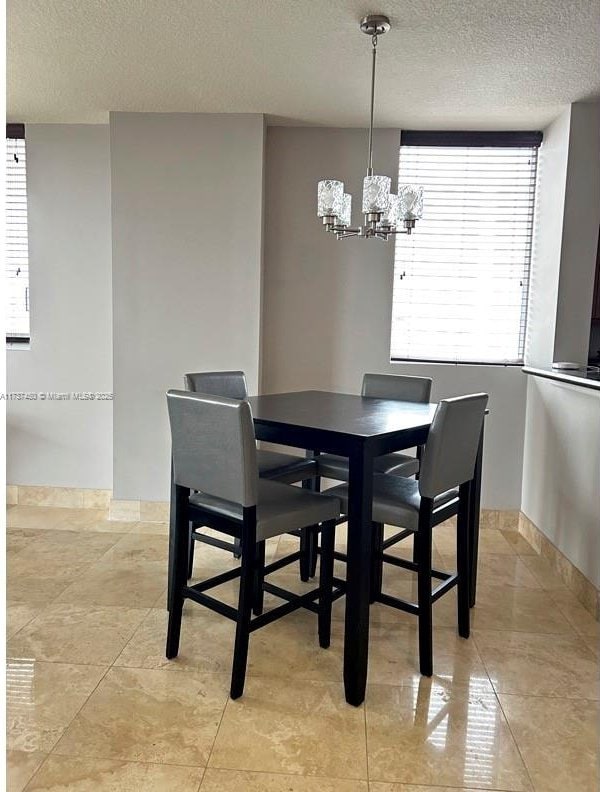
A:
[360, 429]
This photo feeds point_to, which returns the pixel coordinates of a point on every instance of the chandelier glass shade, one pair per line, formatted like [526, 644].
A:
[385, 214]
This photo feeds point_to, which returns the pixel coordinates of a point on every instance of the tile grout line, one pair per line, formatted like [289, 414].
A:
[517, 746]
[59, 738]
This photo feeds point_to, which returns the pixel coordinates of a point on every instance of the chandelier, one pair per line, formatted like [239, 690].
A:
[385, 214]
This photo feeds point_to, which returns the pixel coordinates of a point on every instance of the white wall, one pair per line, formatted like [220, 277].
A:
[65, 443]
[187, 236]
[561, 470]
[327, 304]
[565, 238]
[580, 234]
[547, 241]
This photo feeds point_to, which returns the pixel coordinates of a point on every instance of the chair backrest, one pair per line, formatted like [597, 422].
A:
[397, 386]
[231, 384]
[452, 442]
[214, 448]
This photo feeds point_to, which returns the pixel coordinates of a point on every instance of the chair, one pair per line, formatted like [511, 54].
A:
[273, 465]
[383, 386]
[442, 491]
[214, 455]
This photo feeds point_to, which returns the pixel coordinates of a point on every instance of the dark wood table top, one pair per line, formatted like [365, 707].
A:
[341, 413]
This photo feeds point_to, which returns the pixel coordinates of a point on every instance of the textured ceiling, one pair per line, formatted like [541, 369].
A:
[445, 63]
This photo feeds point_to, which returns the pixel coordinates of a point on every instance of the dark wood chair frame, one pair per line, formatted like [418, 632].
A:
[429, 517]
[252, 573]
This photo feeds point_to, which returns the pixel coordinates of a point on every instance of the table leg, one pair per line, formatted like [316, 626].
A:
[474, 502]
[358, 572]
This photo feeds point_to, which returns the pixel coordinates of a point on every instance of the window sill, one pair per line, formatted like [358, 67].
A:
[428, 362]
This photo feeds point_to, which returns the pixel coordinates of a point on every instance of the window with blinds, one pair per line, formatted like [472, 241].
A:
[461, 279]
[17, 253]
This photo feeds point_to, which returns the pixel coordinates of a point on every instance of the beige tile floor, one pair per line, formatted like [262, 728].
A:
[94, 705]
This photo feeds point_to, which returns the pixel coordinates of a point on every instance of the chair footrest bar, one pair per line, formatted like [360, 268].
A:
[412, 567]
[282, 562]
[338, 556]
[340, 583]
[444, 587]
[217, 580]
[396, 538]
[400, 562]
[211, 602]
[295, 602]
[213, 541]
[394, 602]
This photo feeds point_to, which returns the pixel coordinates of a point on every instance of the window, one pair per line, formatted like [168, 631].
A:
[17, 254]
[461, 279]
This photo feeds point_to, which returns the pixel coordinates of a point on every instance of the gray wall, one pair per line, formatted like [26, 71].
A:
[65, 443]
[561, 471]
[187, 235]
[327, 304]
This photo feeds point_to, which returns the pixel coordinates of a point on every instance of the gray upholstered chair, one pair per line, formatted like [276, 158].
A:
[214, 457]
[383, 386]
[442, 491]
[274, 465]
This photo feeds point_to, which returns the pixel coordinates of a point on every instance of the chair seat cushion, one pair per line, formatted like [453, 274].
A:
[396, 500]
[281, 508]
[286, 467]
[336, 467]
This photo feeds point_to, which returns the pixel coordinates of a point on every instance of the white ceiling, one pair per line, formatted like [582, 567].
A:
[445, 64]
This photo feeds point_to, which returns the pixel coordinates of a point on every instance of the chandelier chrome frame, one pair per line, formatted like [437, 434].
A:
[385, 214]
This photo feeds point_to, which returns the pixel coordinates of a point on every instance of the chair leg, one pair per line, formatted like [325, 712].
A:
[237, 552]
[259, 579]
[244, 614]
[326, 583]
[377, 561]
[191, 546]
[423, 542]
[415, 558]
[180, 549]
[415, 550]
[463, 563]
[305, 542]
[314, 551]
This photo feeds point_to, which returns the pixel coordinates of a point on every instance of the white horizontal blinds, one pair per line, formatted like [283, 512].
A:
[17, 254]
[461, 279]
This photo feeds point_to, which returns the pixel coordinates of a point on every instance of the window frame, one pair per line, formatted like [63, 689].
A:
[16, 131]
[471, 139]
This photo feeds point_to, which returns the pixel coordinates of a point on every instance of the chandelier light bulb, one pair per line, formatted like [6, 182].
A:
[376, 194]
[411, 201]
[330, 198]
[392, 214]
[346, 216]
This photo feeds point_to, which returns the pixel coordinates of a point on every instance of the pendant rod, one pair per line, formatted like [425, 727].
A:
[370, 162]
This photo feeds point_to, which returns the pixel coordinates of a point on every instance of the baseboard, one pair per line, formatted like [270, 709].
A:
[575, 581]
[74, 498]
[64, 497]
